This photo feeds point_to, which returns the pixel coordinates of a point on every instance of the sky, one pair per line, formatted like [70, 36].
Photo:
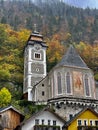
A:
[79, 3]
[83, 3]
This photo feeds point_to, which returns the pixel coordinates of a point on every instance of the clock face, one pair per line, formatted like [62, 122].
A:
[37, 69]
[37, 47]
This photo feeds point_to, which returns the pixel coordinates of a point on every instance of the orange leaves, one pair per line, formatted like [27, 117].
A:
[90, 54]
[55, 50]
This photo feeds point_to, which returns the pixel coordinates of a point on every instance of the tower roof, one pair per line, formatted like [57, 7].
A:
[36, 37]
[72, 58]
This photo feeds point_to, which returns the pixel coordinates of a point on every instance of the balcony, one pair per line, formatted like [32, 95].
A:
[46, 127]
[87, 127]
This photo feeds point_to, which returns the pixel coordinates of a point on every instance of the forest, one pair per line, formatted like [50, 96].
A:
[60, 24]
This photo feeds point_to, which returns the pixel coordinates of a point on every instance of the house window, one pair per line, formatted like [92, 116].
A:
[70, 116]
[43, 85]
[37, 55]
[85, 123]
[54, 122]
[80, 128]
[68, 82]
[49, 122]
[43, 93]
[37, 122]
[91, 122]
[42, 122]
[87, 87]
[96, 122]
[59, 83]
[79, 122]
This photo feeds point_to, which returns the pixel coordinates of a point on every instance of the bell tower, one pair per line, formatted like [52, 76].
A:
[34, 63]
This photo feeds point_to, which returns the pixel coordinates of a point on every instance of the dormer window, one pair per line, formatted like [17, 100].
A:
[37, 56]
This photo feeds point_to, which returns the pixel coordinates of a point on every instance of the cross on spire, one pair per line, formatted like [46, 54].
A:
[35, 28]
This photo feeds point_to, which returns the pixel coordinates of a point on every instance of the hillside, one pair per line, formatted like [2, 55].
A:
[60, 24]
[51, 17]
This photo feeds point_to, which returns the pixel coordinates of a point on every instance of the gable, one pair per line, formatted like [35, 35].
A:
[41, 117]
[88, 114]
[85, 119]
[85, 114]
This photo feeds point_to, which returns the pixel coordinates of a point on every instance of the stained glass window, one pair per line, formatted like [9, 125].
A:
[68, 82]
[59, 83]
[87, 89]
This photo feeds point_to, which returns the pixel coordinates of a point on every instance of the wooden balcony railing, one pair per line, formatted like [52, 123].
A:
[87, 127]
[46, 127]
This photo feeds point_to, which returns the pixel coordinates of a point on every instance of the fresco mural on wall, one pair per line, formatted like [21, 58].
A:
[78, 82]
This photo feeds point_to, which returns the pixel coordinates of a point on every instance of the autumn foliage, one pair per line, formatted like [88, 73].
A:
[90, 55]
[12, 58]
[5, 97]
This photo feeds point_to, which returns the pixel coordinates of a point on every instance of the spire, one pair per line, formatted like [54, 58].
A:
[36, 38]
[35, 29]
[35, 35]
[72, 58]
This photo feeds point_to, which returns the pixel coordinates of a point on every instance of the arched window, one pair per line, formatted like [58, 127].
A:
[87, 87]
[59, 83]
[68, 83]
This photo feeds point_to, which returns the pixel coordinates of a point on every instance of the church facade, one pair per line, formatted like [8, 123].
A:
[68, 87]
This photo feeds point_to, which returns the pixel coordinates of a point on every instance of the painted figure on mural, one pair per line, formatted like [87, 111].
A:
[78, 83]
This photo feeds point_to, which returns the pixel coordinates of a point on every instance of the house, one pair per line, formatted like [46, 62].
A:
[87, 119]
[10, 117]
[44, 119]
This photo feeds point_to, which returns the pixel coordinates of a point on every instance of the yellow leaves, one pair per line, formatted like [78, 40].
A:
[23, 35]
[10, 58]
[5, 97]
[81, 46]
[4, 74]
[96, 76]
[1, 58]
[8, 67]
[11, 53]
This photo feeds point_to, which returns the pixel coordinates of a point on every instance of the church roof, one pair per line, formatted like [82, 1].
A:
[72, 58]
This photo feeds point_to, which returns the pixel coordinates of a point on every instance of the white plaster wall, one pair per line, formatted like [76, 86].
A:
[29, 125]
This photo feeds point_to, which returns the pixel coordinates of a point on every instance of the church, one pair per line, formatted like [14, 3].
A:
[67, 88]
